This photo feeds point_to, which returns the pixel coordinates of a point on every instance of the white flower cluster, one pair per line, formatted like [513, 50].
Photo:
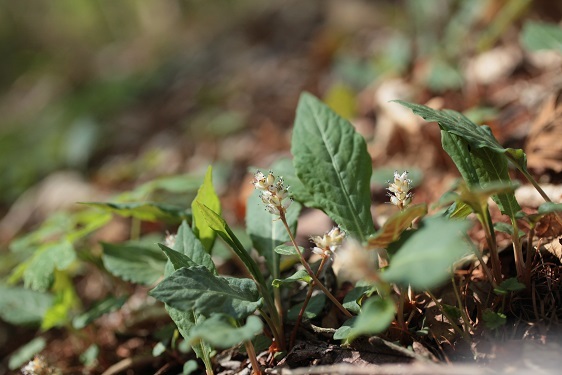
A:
[274, 194]
[399, 190]
[328, 243]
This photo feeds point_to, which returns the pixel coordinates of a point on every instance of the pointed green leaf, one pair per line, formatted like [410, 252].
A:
[332, 161]
[26, 352]
[146, 211]
[22, 306]
[287, 250]
[540, 35]
[177, 259]
[375, 317]
[509, 285]
[198, 289]
[395, 225]
[313, 309]
[188, 244]
[493, 320]
[476, 152]
[267, 231]
[105, 306]
[350, 301]
[435, 246]
[39, 274]
[300, 275]
[221, 331]
[135, 262]
[206, 195]
[65, 300]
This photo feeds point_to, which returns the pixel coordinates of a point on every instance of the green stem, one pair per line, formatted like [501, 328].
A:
[518, 253]
[252, 356]
[529, 252]
[309, 270]
[135, 229]
[486, 221]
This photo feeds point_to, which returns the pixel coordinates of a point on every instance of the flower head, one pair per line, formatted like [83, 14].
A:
[399, 190]
[328, 243]
[274, 194]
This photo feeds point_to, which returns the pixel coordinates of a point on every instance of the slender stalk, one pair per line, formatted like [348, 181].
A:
[486, 221]
[305, 303]
[518, 253]
[252, 356]
[400, 312]
[465, 320]
[135, 229]
[449, 318]
[310, 272]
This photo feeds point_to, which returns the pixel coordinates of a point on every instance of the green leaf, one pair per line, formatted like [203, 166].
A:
[189, 367]
[22, 306]
[198, 289]
[105, 306]
[287, 250]
[135, 262]
[538, 36]
[300, 275]
[188, 244]
[221, 332]
[543, 210]
[395, 225]
[375, 317]
[65, 301]
[509, 285]
[332, 162]
[504, 228]
[435, 246]
[475, 151]
[350, 301]
[219, 225]
[146, 211]
[205, 195]
[284, 167]
[493, 320]
[177, 259]
[90, 356]
[313, 309]
[26, 352]
[39, 274]
[267, 231]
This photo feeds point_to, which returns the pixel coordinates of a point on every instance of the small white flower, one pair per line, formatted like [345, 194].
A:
[399, 190]
[328, 243]
[274, 194]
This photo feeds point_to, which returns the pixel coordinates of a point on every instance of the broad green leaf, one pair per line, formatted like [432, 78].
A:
[332, 162]
[146, 211]
[52, 227]
[177, 259]
[504, 228]
[493, 320]
[221, 332]
[300, 275]
[350, 301]
[267, 231]
[549, 207]
[458, 210]
[425, 256]
[185, 321]
[26, 352]
[219, 225]
[481, 160]
[395, 225]
[458, 124]
[509, 285]
[313, 309]
[135, 262]
[188, 244]
[21, 306]
[375, 317]
[105, 306]
[205, 195]
[39, 273]
[86, 222]
[287, 250]
[539, 35]
[198, 289]
[65, 301]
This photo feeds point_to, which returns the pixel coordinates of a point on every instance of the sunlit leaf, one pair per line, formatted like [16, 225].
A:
[332, 162]
[135, 262]
[198, 289]
[39, 273]
[206, 195]
[64, 302]
[425, 256]
[395, 225]
[221, 331]
[146, 211]
[300, 275]
[189, 245]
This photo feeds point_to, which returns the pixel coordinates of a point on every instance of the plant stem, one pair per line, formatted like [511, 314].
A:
[451, 321]
[486, 221]
[518, 253]
[305, 304]
[465, 320]
[400, 312]
[252, 356]
[529, 252]
[310, 272]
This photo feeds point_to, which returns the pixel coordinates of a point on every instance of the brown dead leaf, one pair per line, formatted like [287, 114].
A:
[555, 247]
[549, 226]
[544, 150]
